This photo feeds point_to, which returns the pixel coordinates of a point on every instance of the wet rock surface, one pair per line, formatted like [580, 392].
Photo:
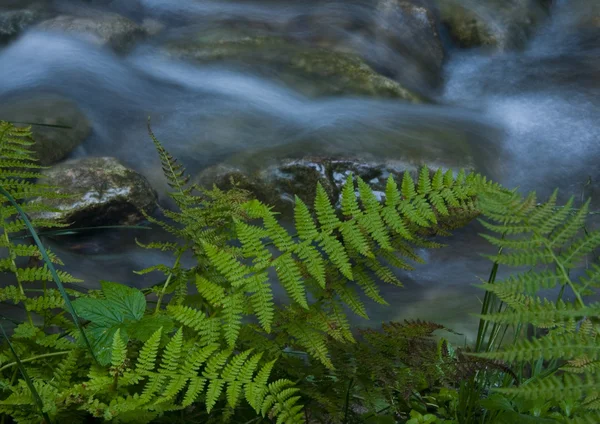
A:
[101, 192]
[313, 71]
[277, 185]
[104, 29]
[51, 144]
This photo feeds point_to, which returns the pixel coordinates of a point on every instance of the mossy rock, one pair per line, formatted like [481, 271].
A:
[100, 190]
[52, 144]
[496, 25]
[104, 29]
[311, 70]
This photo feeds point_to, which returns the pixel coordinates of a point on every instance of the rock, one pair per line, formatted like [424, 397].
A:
[152, 26]
[101, 192]
[311, 70]
[52, 144]
[104, 29]
[399, 38]
[14, 21]
[497, 25]
[411, 29]
[277, 185]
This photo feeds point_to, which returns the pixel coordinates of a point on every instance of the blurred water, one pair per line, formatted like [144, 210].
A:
[528, 118]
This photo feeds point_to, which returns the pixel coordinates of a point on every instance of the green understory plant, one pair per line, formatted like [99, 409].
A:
[210, 343]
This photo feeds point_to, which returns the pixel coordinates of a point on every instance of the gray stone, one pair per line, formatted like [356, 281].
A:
[101, 192]
[104, 29]
[52, 144]
[498, 25]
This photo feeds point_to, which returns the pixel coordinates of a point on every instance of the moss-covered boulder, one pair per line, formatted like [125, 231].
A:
[311, 70]
[100, 190]
[52, 144]
[496, 24]
[104, 29]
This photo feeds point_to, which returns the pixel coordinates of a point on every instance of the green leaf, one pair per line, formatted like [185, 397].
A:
[129, 300]
[99, 311]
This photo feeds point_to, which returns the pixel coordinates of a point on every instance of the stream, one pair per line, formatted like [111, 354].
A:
[528, 115]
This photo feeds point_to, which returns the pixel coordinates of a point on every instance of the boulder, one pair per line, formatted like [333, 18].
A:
[52, 144]
[497, 25]
[14, 21]
[311, 70]
[277, 185]
[399, 38]
[100, 190]
[103, 29]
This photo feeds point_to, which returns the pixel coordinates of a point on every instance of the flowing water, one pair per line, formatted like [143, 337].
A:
[530, 117]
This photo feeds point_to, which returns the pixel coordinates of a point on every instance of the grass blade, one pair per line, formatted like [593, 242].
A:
[50, 266]
[34, 392]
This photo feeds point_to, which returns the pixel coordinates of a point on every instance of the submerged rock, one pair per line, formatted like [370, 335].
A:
[311, 70]
[498, 25]
[104, 29]
[52, 144]
[101, 192]
[277, 185]
[14, 20]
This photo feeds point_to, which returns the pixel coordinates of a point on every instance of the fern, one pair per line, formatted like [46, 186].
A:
[18, 169]
[552, 243]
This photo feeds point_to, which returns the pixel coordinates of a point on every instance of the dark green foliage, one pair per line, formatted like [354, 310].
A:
[210, 343]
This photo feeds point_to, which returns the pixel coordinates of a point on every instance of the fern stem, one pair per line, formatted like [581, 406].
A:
[487, 300]
[347, 401]
[169, 277]
[565, 275]
[35, 358]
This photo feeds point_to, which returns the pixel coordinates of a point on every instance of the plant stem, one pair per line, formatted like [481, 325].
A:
[487, 301]
[50, 265]
[35, 358]
[164, 289]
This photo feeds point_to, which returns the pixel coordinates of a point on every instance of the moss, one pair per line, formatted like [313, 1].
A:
[314, 71]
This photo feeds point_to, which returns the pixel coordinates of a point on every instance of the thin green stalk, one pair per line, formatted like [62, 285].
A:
[34, 393]
[84, 229]
[164, 289]
[51, 268]
[37, 124]
[35, 358]
[347, 401]
[485, 307]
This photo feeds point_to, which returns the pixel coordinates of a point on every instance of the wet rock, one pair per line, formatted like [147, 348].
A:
[399, 38]
[101, 192]
[277, 185]
[497, 25]
[311, 70]
[411, 29]
[104, 29]
[52, 144]
[14, 21]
